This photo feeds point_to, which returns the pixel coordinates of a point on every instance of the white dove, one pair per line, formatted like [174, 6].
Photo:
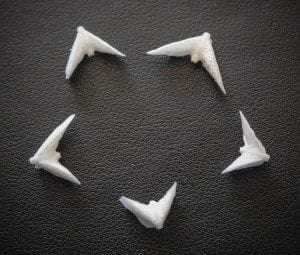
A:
[155, 213]
[200, 49]
[47, 157]
[253, 153]
[87, 43]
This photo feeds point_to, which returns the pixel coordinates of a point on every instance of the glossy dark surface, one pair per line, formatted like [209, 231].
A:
[143, 122]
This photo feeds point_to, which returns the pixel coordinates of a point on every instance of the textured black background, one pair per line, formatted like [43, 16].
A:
[143, 122]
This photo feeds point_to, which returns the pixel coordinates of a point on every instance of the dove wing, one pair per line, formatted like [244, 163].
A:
[57, 169]
[244, 161]
[51, 143]
[167, 200]
[176, 49]
[210, 63]
[99, 45]
[249, 136]
[77, 53]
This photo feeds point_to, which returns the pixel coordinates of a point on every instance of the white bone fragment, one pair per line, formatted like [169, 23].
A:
[87, 43]
[253, 153]
[200, 49]
[155, 213]
[47, 157]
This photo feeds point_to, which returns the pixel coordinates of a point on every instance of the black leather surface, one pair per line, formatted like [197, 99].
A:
[143, 122]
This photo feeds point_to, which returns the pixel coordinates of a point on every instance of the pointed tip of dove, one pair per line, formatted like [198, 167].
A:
[69, 119]
[174, 186]
[172, 190]
[242, 115]
[124, 201]
[68, 75]
[244, 121]
[227, 170]
[76, 181]
[152, 52]
[219, 82]
[121, 54]
[224, 171]
[223, 89]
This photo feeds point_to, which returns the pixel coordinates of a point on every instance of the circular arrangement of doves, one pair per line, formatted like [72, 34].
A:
[199, 48]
